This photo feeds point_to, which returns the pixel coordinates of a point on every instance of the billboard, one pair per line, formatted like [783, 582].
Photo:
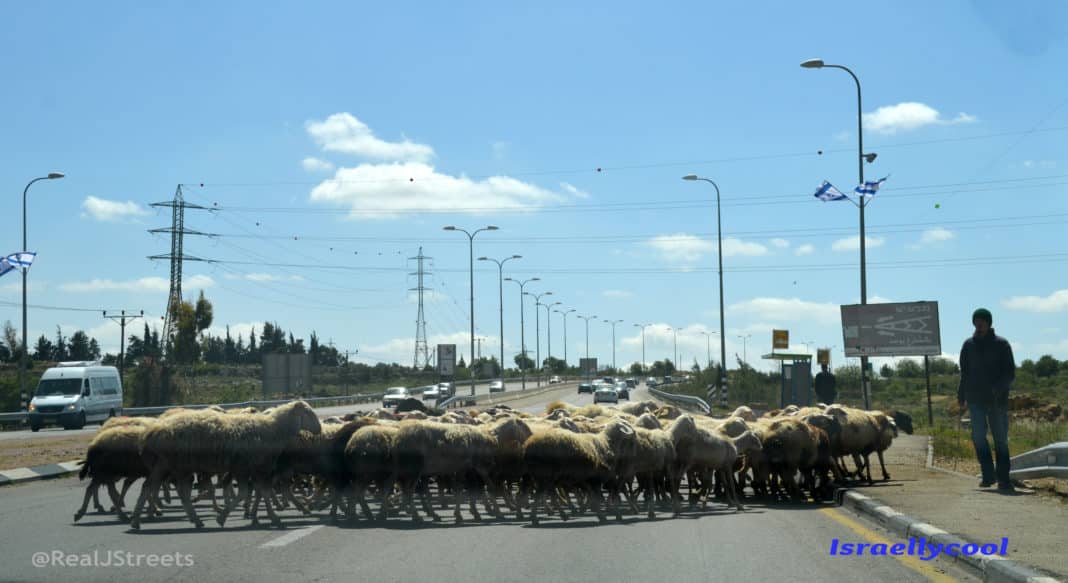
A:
[447, 359]
[780, 339]
[901, 329]
[588, 366]
[823, 356]
[289, 374]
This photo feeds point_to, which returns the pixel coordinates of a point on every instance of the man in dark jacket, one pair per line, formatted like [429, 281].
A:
[987, 370]
[825, 386]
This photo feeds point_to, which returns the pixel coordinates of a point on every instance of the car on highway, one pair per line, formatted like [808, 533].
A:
[585, 388]
[623, 390]
[606, 394]
[496, 387]
[431, 392]
[75, 393]
[394, 395]
[446, 389]
[555, 379]
[632, 383]
[651, 382]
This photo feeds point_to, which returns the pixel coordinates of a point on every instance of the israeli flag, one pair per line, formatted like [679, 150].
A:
[869, 188]
[827, 192]
[5, 266]
[23, 259]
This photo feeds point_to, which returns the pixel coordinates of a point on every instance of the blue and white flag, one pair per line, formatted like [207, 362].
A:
[5, 266]
[870, 187]
[827, 192]
[23, 260]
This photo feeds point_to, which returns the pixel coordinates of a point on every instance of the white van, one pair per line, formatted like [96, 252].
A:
[75, 393]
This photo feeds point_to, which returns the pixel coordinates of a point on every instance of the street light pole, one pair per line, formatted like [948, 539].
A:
[719, 239]
[708, 346]
[537, 330]
[819, 64]
[471, 252]
[549, 329]
[564, 314]
[24, 398]
[675, 343]
[642, 326]
[522, 325]
[500, 291]
[613, 323]
[587, 318]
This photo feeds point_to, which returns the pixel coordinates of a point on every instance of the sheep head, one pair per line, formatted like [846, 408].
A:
[299, 416]
[903, 421]
[748, 443]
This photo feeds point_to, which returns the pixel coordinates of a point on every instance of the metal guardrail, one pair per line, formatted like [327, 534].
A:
[1050, 461]
[684, 400]
[12, 417]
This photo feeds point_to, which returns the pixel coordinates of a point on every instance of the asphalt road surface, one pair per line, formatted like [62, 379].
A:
[765, 542]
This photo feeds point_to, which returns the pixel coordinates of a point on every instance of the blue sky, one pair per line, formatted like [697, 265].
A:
[339, 138]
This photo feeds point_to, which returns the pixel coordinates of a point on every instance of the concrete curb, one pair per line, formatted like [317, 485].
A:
[992, 569]
[45, 472]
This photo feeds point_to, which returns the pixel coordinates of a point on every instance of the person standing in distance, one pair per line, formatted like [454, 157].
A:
[825, 384]
[987, 370]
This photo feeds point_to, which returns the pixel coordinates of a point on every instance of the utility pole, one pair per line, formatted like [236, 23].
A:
[537, 329]
[176, 256]
[121, 319]
[564, 314]
[587, 319]
[522, 324]
[613, 323]
[422, 351]
[642, 326]
[500, 297]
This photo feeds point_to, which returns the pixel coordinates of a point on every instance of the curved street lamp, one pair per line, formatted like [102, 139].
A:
[500, 291]
[471, 251]
[719, 238]
[522, 325]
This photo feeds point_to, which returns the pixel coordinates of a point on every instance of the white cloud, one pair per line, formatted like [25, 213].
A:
[681, 248]
[936, 234]
[616, 293]
[907, 116]
[342, 132]
[386, 191]
[853, 243]
[574, 191]
[400, 349]
[111, 210]
[806, 249]
[1039, 164]
[1055, 302]
[780, 243]
[684, 248]
[789, 309]
[144, 284]
[843, 136]
[316, 165]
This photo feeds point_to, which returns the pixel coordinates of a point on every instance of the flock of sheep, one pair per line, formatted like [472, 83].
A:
[566, 461]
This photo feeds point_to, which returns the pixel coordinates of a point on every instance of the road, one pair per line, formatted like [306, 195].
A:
[461, 389]
[765, 542]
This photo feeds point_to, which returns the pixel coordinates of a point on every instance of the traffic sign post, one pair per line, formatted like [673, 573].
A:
[447, 360]
[780, 339]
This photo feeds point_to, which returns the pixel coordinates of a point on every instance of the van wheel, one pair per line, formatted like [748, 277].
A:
[81, 421]
[35, 428]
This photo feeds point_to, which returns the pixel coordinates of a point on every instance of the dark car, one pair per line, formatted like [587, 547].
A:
[585, 388]
[623, 390]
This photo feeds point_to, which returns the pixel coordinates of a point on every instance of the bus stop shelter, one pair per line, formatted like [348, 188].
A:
[796, 378]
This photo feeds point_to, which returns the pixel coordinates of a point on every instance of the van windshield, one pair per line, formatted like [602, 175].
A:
[52, 387]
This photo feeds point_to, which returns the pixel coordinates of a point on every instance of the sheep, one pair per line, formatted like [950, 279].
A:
[654, 459]
[560, 458]
[648, 421]
[713, 452]
[745, 413]
[113, 454]
[333, 420]
[244, 446]
[862, 433]
[637, 408]
[668, 412]
[368, 457]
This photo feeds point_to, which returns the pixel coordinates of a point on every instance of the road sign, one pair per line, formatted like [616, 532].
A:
[780, 339]
[901, 329]
[447, 359]
[823, 356]
[588, 366]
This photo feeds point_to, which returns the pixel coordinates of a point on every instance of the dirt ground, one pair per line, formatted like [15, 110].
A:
[20, 453]
[1048, 487]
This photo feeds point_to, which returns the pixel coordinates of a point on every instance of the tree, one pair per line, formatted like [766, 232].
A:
[11, 338]
[886, 371]
[253, 352]
[1046, 366]
[555, 365]
[61, 346]
[186, 350]
[636, 368]
[662, 368]
[79, 346]
[44, 349]
[941, 365]
[5, 353]
[909, 369]
[524, 362]
[230, 350]
[461, 364]
[94, 349]
[696, 368]
[204, 313]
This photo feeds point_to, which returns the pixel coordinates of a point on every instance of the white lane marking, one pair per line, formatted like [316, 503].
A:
[291, 537]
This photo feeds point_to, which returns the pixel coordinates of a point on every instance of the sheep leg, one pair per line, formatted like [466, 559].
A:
[594, 493]
[184, 488]
[89, 491]
[96, 500]
[113, 493]
[152, 482]
[539, 499]
[882, 464]
[649, 496]
[264, 490]
[287, 494]
[423, 487]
